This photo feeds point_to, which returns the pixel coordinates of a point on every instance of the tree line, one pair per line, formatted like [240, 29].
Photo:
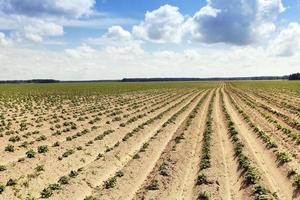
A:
[295, 76]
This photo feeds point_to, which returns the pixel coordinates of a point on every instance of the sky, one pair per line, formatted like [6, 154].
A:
[113, 39]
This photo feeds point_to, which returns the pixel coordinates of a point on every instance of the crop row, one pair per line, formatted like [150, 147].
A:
[289, 121]
[112, 180]
[250, 173]
[287, 131]
[154, 184]
[205, 161]
[282, 156]
[70, 151]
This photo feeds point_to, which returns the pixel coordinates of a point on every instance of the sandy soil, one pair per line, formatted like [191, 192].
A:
[277, 182]
[124, 144]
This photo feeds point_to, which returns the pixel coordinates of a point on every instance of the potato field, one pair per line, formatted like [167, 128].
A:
[148, 141]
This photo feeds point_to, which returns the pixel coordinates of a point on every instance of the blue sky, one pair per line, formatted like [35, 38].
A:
[137, 8]
[109, 39]
[130, 9]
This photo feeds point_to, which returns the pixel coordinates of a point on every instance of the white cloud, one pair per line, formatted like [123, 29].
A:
[81, 52]
[117, 33]
[3, 40]
[267, 12]
[128, 51]
[36, 21]
[287, 42]
[161, 25]
[269, 9]
[33, 8]
[118, 43]
[36, 30]
[237, 22]
[97, 23]
[84, 63]
[165, 54]
[208, 11]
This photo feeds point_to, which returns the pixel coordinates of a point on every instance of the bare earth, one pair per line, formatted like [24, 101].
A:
[150, 145]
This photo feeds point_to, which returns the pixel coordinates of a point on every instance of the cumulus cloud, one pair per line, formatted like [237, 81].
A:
[118, 43]
[237, 22]
[35, 20]
[36, 30]
[209, 11]
[3, 40]
[269, 9]
[267, 12]
[115, 35]
[83, 51]
[161, 25]
[33, 8]
[287, 42]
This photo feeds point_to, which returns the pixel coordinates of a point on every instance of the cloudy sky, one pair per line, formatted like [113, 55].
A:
[111, 39]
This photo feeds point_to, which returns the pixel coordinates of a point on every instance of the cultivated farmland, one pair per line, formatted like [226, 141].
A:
[177, 140]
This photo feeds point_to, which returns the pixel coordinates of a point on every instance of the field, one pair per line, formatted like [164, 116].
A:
[179, 140]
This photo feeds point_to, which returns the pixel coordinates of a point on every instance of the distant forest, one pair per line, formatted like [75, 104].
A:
[204, 79]
[295, 76]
